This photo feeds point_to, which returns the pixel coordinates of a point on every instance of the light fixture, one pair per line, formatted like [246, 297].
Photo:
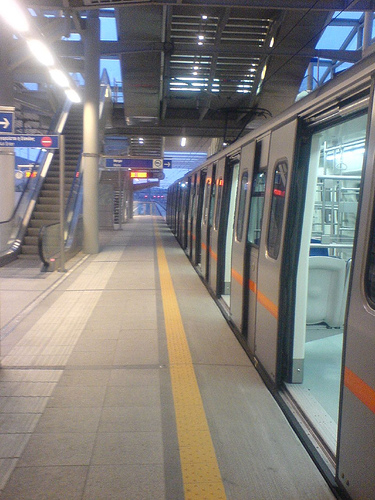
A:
[204, 17]
[41, 52]
[14, 16]
[141, 140]
[59, 77]
[183, 142]
[72, 95]
[200, 37]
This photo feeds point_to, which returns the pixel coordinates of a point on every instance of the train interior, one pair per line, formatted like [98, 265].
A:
[335, 170]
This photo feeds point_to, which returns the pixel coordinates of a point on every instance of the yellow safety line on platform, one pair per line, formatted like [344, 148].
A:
[200, 470]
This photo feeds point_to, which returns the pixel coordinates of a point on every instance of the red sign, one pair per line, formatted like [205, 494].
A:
[46, 142]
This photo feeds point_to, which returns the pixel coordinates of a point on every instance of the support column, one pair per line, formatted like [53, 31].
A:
[7, 157]
[91, 135]
[367, 32]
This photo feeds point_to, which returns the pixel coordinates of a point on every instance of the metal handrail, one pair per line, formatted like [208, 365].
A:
[21, 215]
[73, 210]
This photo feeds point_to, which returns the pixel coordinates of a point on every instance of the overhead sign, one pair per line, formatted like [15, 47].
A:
[29, 141]
[135, 163]
[167, 163]
[6, 122]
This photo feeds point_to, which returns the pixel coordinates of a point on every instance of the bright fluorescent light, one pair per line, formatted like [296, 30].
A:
[183, 142]
[41, 52]
[72, 95]
[14, 16]
[59, 77]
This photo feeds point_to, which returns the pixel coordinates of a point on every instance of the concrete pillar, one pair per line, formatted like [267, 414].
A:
[91, 135]
[7, 157]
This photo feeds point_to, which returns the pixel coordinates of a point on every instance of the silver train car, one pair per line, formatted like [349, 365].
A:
[281, 228]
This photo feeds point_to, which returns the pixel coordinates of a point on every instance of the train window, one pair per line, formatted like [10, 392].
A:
[277, 209]
[256, 208]
[206, 200]
[212, 202]
[241, 205]
[370, 271]
[220, 184]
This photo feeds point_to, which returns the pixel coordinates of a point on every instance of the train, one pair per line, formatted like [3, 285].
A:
[280, 226]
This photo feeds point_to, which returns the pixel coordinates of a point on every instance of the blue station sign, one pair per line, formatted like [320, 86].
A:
[6, 122]
[135, 163]
[29, 141]
[167, 163]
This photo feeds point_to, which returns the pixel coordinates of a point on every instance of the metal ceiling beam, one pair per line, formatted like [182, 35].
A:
[114, 49]
[326, 6]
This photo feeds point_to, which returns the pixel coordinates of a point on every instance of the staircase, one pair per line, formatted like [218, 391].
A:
[46, 210]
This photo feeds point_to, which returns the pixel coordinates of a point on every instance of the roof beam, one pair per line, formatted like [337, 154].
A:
[111, 49]
[327, 6]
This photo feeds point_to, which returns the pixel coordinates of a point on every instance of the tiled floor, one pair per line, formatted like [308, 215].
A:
[86, 406]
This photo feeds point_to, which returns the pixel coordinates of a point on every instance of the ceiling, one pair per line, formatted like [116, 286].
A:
[211, 69]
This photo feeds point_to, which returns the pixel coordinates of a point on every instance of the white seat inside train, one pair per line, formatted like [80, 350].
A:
[326, 291]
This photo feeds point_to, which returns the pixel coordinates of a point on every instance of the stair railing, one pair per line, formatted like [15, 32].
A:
[49, 235]
[20, 218]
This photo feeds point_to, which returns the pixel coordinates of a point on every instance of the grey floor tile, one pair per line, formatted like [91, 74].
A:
[58, 449]
[88, 378]
[58, 420]
[23, 404]
[89, 344]
[126, 482]
[137, 352]
[129, 396]
[13, 423]
[7, 466]
[135, 377]
[133, 419]
[93, 331]
[90, 358]
[12, 445]
[128, 448]
[77, 396]
[46, 483]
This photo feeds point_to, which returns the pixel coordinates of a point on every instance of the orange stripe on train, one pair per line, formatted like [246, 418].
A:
[360, 389]
[265, 301]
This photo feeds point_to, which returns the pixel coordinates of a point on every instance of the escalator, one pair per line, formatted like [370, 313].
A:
[46, 210]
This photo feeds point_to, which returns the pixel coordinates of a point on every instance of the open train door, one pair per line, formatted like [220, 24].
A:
[267, 285]
[356, 433]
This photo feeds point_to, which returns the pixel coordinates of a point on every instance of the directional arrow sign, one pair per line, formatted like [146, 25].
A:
[167, 163]
[6, 122]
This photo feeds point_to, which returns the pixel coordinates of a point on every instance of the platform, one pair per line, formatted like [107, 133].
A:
[121, 379]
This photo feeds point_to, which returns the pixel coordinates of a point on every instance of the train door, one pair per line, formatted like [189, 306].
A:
[198, 228]
[193, 189]
[185, 186]
[356, 436]
[239, 237]
[215, 212]
[226, 231]
[335, 163]
[209, 198]
[281, 155]
[258, 191]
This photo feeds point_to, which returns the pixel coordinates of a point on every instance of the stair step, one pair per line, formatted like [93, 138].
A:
[33, 231]
[47, 216]
[51, 207]
[31, 240]
[29, 250]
